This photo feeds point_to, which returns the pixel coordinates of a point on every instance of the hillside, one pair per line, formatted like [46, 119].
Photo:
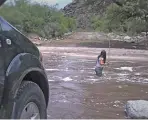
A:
[84, 10]
[43, 20]
[126, 16]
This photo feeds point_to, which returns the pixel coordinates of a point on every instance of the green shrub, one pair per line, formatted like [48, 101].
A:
[35, 18]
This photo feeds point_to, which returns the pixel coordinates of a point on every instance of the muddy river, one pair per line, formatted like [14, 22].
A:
[76, 92]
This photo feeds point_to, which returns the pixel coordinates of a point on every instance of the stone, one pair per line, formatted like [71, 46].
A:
[57, 39]
[69, 33]
[127, 38]
[137, 109]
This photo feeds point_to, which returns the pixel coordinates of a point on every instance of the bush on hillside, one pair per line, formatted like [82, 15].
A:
[36, 18]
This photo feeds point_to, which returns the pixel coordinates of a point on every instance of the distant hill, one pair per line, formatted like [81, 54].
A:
[84, 10]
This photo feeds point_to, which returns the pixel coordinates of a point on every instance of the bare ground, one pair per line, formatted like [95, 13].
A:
[96, 44]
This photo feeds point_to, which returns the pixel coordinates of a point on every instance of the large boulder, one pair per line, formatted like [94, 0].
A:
[137, 109]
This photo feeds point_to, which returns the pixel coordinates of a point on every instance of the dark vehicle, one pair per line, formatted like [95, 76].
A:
[24, 87]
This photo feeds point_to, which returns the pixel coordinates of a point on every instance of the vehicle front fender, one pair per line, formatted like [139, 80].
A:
[20, 66]
[2, 1]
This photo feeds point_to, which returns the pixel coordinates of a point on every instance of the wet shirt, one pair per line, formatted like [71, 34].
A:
[100, 62]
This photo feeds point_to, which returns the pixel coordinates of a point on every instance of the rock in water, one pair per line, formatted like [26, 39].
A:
[137, 109]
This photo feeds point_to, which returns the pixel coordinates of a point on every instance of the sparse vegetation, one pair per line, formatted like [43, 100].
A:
[130, 16]
[43, 20]
[127, 16]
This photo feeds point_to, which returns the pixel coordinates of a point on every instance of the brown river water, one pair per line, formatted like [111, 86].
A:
[76, 92]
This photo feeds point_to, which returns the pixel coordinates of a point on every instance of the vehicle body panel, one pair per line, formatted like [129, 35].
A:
[2, 71]
[2, 1]
[19, 44]
[20, 66]
[18, 57]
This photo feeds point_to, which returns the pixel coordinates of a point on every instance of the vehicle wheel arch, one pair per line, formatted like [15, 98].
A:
[32, 72]
[18, 71]
[38, 78]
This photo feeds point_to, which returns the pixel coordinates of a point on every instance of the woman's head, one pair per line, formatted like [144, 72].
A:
[103, 54]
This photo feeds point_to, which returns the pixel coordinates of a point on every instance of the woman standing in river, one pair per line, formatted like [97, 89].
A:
[101, 60]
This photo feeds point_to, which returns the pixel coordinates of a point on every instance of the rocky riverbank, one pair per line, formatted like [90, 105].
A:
[95, 40]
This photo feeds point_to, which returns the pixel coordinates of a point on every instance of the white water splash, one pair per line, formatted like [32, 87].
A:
[66, 69]
[52, 69]
[93, 80]
[63, 101]
[146, 79]
[67, 79]
[125, 68]
[137, 74]
[46, 52]
[123, 74]
[91, 77]
[50, 80]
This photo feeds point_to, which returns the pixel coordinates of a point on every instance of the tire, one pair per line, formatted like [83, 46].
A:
[30, 96]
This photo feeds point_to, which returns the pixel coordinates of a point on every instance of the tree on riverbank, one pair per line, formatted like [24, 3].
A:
[46, 21]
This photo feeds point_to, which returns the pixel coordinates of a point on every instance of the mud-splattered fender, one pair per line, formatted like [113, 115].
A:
[19, 67]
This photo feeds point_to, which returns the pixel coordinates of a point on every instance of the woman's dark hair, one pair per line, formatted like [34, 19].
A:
[103, 54]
